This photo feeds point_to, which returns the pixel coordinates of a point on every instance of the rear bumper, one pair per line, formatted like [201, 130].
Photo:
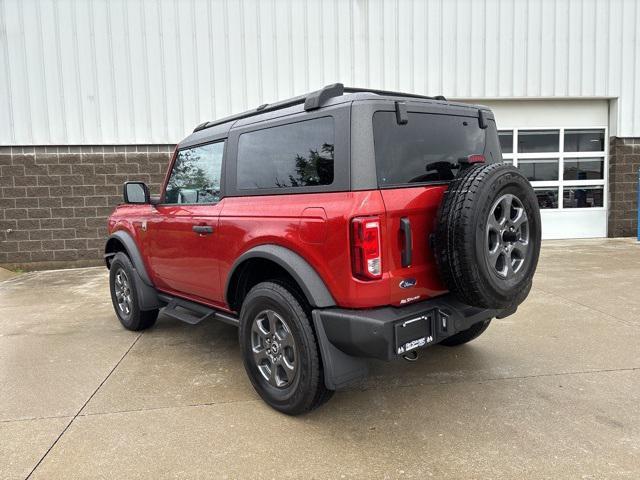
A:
[388, 333]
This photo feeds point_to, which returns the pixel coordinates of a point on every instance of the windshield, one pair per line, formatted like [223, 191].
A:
[428, 148]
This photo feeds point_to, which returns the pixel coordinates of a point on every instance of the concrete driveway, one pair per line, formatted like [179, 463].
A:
[551, 392]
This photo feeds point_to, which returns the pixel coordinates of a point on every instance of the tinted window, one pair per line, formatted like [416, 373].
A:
[506, 140]
[539, 169]
[583, 168]
[195, 177]
[428, 148]
[584, 140]
[294, 155]
[547, 197]
[583, 197]
[535, 141]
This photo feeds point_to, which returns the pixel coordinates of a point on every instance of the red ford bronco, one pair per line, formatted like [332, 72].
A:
[333, 227]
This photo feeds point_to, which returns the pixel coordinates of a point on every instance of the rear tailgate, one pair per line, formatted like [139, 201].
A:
[414, 162]
[411, 210]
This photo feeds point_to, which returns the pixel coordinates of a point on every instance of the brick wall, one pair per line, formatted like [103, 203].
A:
[624, 163]
[54, 201]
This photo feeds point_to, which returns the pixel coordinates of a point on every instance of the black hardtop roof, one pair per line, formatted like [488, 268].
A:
[333, 94]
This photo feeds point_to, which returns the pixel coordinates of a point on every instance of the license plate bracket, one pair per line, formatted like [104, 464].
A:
[413, 333]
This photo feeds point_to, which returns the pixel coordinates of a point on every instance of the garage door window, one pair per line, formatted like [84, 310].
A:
[583, 168]
[547, 197]
[566, 166]
[539, 170]
[583, 197]
[584, 140]
[506, 141]
[537, 141]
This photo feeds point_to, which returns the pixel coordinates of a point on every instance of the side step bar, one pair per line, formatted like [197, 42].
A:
[192, 312]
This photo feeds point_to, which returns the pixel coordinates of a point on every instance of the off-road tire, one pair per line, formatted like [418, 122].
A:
[461, 236]
[307, 390]
[467, 335]
[135, 319]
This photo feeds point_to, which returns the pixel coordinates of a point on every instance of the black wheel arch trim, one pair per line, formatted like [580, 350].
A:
[305, 275]
[147, 294]
[132, 252]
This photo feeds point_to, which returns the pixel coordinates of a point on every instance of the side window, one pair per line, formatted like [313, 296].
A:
[288, 156]
[195, 177]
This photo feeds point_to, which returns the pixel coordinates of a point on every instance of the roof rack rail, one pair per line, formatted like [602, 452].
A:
[250, 113]
[316, 99]
[311, 101]
[390, 93]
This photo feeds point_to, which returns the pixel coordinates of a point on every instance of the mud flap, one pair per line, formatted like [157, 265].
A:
[340, 369]
[147, 296]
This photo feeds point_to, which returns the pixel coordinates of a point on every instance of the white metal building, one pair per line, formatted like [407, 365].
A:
[563, 76]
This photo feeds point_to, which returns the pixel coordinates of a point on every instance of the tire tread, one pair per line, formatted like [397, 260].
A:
[319, 394]
[454, 252]
[140, 319]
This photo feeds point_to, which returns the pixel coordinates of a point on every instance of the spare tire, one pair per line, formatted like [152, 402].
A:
[487, 239]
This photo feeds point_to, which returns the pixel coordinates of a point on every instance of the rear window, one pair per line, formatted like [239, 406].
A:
[288, 156]
[428, 148]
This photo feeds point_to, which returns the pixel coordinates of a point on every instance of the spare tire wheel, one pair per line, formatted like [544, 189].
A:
[488, 236]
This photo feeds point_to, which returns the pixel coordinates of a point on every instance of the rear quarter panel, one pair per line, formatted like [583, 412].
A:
[297, 222]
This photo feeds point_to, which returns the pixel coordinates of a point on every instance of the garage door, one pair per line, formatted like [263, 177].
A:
[561, 146]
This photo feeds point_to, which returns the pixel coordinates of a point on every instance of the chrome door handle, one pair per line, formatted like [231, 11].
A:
[202, 229]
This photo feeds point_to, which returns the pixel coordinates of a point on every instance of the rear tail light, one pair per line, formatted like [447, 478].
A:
[366, 251]
[476, 159]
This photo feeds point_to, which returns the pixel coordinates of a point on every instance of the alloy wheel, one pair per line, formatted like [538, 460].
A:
[122, 288]
[274, 349]
[507, 236]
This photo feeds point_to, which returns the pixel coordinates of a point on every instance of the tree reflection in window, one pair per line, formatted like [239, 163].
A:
[317, 169]
[294, 155]
[195, 177]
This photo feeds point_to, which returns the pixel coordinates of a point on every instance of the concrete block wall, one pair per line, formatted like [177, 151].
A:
[624, 163]
[54, 201]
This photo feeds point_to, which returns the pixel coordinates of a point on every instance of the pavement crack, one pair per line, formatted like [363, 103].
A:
[371, 389]
[31, 419]
[571, 300]
[168, 407]
[83, 406]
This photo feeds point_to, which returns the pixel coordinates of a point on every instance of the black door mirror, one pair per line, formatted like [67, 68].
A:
[136, 192]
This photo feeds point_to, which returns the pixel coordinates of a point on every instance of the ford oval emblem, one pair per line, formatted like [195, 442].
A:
[408, 283]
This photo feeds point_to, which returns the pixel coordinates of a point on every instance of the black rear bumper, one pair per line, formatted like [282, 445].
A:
[388, 333]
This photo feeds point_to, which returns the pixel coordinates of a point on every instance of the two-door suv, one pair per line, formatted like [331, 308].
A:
[333, 227]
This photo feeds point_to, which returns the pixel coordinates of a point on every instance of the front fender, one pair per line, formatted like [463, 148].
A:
[132, 250]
